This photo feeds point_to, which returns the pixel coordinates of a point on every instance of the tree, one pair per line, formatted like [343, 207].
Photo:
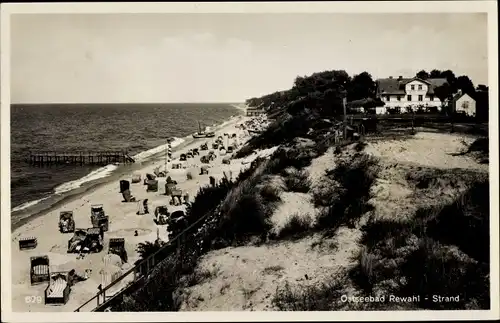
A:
[146, 249]
[444, 92]
[465, 84]
[482, 87]
[362, 86]
[451, 79]
[435, 74]
[423, 75]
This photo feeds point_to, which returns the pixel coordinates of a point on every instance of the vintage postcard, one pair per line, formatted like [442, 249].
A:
[249, 161]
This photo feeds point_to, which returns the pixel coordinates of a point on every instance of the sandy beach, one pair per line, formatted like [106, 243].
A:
[123, 223]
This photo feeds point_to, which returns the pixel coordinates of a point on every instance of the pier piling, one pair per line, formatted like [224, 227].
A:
[47, 158]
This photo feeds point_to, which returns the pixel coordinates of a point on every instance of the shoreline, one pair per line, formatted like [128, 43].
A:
[123, 220]
[53, 201]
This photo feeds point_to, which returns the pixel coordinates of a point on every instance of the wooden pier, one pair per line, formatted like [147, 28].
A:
[47, 158]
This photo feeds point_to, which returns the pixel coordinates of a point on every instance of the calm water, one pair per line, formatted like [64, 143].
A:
[133, 127]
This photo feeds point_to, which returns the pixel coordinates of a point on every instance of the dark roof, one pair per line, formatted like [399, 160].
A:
[458, 96]
[397, 85]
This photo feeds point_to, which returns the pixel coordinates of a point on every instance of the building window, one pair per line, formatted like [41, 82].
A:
[399, 97]
[431, 97]
[465, 105]
[412, 87]
[420, 86]
[421, 98]
[388, 98]
[408, 98]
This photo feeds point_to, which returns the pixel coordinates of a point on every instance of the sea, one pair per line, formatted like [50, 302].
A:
[140, 129]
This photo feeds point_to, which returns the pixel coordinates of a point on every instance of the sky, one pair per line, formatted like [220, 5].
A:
[169, 57]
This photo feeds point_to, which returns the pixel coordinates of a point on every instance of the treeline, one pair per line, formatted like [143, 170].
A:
[323, 92]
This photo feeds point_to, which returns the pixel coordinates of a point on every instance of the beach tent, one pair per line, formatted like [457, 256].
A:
[110, 273]
[124, 185]
[142, 207]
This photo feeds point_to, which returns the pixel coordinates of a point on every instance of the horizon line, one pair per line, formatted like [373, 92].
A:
[109, 103]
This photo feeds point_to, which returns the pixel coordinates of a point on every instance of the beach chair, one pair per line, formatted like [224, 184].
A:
[66, 222]
[226, 160]
[204, 146]
[127, 196]
[152, 186]
[176, 197]
[205, 159]
[196, 152]
[124, 185]
[186, 198]
[161, 215]
[76, 243]
[215, 145]
[93, 242]
[39, 271]
[57, 293]
[98, 217]
[27, 243]
[142, 207]
[182, 157]
[204, 170]
[136, 178]
[169, 187]
[230, 149]
[117, 247]
[177, 221]
[149, 177]
[212, 180]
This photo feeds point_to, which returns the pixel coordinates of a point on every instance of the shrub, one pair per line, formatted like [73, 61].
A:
[270, 193]
[363, 274]
[298, 181]
[324, 193]
[323, 297]
[465, 222]
[296, 226]
[434, 269]
[247, 218]
[287, 157]
[355, 180]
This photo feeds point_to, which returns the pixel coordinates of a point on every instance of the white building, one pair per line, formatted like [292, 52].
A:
[464, 104]
[403, 93]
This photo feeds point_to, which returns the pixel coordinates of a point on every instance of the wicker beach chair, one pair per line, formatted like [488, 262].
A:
[66, 222]
[57, 293]
[152, 186]
[39, 271]
[176, 197]
[117, 247]
[27, 243]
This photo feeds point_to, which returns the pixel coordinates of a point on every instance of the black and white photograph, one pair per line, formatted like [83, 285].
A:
[284, 160]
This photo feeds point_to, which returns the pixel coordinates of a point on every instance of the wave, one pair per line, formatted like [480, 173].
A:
[92, 176]
[148, 153]
[108, 170]
[28, 204]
